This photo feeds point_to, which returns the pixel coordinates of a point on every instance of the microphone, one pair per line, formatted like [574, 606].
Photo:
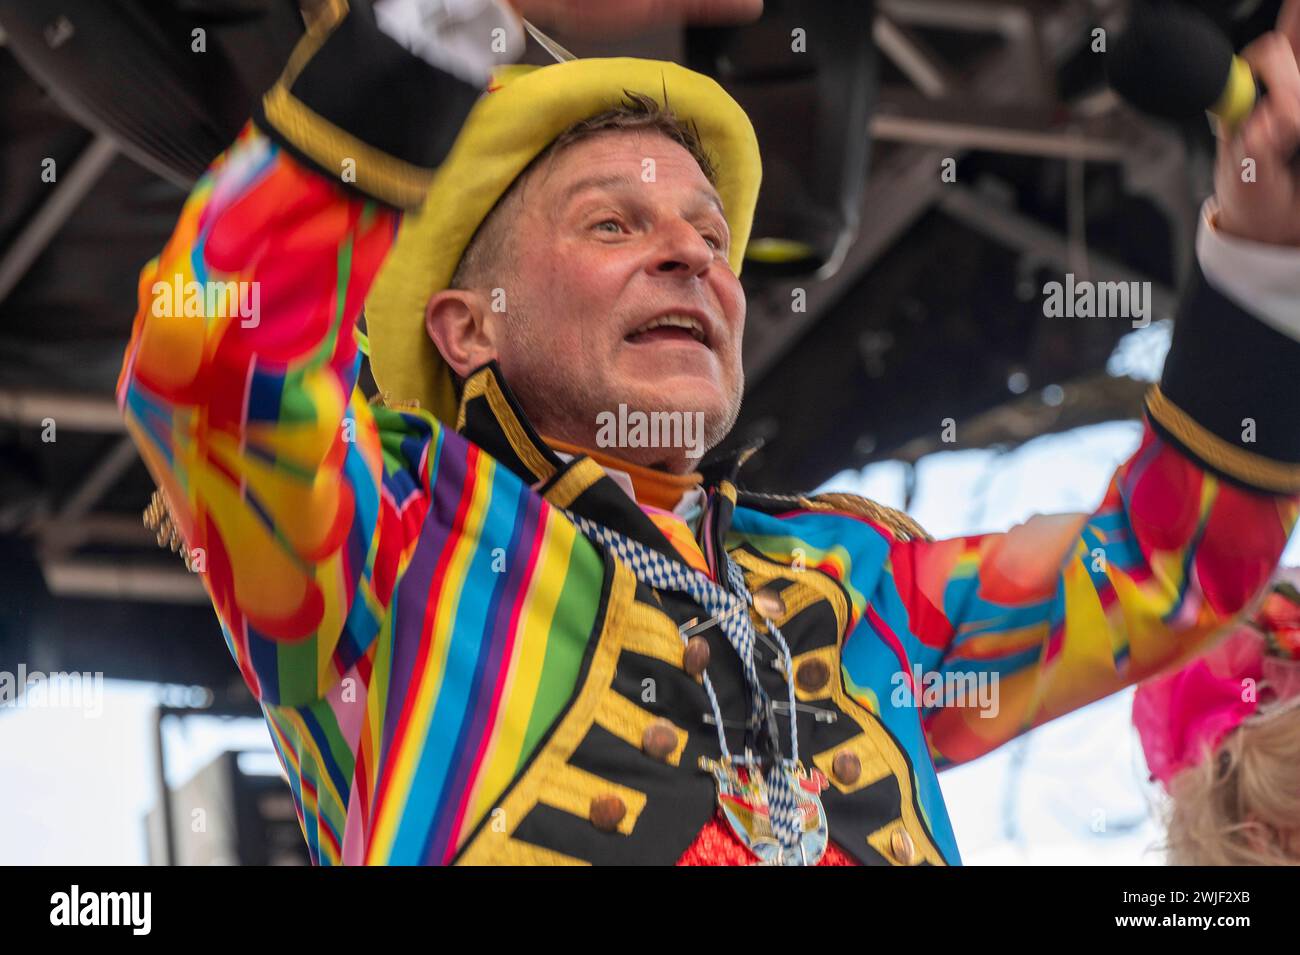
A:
[1173, 62]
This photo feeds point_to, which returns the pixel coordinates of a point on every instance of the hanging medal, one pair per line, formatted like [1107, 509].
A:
[743, 802]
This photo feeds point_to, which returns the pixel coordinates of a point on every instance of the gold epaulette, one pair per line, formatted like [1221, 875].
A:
[899, 524]
[158, 518]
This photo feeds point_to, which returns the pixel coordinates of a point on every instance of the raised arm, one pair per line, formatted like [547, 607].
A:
[1062, 610]
[239, 383]
[1065, 610]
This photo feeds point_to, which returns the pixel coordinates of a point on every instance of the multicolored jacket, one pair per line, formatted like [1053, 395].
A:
[452, 674]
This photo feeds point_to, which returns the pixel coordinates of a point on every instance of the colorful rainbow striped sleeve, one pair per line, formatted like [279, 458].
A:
[1063, 610]
[238, 387]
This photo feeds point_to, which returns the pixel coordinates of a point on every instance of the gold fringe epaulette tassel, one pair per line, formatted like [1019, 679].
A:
[901, 525]
[158, 518]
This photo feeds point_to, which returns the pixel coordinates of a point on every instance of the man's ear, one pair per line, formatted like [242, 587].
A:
[456, 320]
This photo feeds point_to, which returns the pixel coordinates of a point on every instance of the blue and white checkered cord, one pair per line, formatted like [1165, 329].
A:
[728, 609]
[783, 803]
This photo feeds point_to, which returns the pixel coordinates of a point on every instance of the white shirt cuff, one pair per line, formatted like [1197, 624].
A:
[1263, 279]
[467, 38]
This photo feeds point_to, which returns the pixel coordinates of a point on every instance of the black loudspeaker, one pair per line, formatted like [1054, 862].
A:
[807, 75]
[170, 81]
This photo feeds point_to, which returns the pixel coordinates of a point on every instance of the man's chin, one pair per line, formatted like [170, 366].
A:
[677, 421]
[681, 395]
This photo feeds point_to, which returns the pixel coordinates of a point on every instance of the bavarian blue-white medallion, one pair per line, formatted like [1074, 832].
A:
[743, 799]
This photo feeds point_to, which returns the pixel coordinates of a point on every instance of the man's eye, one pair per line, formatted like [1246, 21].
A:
[617, 226]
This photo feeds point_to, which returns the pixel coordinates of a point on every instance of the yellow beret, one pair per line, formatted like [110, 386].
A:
[525, 109]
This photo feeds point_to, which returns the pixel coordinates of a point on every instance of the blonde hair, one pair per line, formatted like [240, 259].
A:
[1230, 807]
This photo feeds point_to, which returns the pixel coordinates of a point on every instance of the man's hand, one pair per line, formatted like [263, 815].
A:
[605, 19]
[1267, 209]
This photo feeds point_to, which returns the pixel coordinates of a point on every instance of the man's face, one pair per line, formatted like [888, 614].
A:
[615, 233]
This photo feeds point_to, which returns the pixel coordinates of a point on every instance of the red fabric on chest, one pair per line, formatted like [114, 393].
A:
[718, 845]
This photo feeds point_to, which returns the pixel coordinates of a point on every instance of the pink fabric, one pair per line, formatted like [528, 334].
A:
[1184, 715]
[1282, 677]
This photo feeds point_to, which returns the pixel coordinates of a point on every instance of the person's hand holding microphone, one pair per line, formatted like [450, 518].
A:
[1257, 172]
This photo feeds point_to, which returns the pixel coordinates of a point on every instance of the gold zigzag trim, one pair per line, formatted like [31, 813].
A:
[550, 779]
[392, 180]
[874, 767]
[629, 722]
[1254, 469]
[804, 590]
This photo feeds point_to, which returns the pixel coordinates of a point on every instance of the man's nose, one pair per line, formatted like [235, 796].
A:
[682, 250]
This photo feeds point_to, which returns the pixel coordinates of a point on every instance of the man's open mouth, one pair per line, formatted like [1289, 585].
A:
[673, 327]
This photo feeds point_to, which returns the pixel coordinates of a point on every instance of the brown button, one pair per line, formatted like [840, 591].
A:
[659, 739]
[812, 675]
[607, 812]
[847, 767]
[768, 602]
[901, 843]
[696, 657]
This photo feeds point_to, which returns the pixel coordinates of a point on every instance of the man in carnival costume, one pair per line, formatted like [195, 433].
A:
[484, 625]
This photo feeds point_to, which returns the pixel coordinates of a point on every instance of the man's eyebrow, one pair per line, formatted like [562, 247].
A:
[711, 197]
[614, 180]
[604, 181]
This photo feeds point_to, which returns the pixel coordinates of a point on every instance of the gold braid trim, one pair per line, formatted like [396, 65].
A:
[575, 481]
[1253, 469]
[392, 180]
[322, 18]
[484, 384]
[899, 524]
